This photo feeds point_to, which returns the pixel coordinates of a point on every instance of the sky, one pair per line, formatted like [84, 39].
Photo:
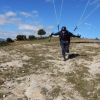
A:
[26, 17]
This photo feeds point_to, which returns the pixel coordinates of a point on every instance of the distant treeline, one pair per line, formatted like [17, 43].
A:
[23, 37]
[30, 37]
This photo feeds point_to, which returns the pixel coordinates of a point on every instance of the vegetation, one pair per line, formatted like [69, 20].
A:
[31, 37]
[4, 43]
[9, 40]
[54, 78]
[41, 32]
[96, 38]
[21, 37]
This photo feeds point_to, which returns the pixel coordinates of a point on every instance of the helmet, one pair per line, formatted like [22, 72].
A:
[63, 28]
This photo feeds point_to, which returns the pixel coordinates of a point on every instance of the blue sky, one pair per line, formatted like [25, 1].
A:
[28, 16]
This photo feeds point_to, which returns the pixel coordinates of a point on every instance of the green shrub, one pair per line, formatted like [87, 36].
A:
[31, 37]
[96, 38]
[9, 40]
[4, 43]
[21, 37]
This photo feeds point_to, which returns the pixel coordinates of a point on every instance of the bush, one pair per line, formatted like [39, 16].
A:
[31, 37]
[21, 37]
[4, 43]
[9, 40]
[96, 38]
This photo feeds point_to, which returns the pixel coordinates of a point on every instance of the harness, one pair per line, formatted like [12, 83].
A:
[64, 38]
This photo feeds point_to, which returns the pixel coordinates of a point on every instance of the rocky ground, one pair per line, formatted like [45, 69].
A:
[36, 71]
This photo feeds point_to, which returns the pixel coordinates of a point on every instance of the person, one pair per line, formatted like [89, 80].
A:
[64, 36]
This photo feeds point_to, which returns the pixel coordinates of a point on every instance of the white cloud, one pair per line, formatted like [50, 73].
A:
[8, 34]
[12, 34]
[8, 18]
[5, 8]
[10, 13]
[14, 21]
[36, 14]
[94, 2]
[30, 27]
[48, 0]
[34, 28]
[2, 20]
[87, 24]
[25, 28]
[48, 30]
[25, 14]
[49, 27]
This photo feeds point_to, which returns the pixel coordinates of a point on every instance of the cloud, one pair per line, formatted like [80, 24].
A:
[27, 27]
[48, 30]
[10, 13]
[8, 34]
[88, 25]
[25, 14]
[34, 28]
[24, 29]
[5, 8]
[4, 19]
[8, 18]
[12, 34]
[35, 13]
[30, 27]
[49, 27]
[14, 21]
[48, 0]
[94, 2]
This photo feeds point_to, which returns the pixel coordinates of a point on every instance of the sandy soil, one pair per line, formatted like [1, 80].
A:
[29, 87]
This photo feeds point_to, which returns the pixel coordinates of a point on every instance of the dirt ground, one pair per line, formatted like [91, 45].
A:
[36, 71]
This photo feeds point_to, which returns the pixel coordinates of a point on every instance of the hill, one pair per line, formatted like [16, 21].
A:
[1, 39]
[35, 70]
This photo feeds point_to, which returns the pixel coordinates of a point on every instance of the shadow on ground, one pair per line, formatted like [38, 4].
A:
[71, 56]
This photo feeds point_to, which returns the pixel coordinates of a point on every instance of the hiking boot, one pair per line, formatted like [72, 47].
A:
[68, 51]
[64, 59]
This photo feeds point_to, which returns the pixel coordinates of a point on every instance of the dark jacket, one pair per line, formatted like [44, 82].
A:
[64, 38]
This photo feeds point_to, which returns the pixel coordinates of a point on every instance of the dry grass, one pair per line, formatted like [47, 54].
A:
[39, 64]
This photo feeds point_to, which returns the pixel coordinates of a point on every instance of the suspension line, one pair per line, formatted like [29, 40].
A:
[58, 20]
[61, 10]
[55, 12]
[83, 12]
[82, 15]
[90, 13]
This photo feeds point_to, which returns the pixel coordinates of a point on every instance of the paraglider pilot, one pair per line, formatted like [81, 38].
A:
[64, 36]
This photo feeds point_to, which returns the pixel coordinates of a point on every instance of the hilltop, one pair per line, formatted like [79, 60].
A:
[35, 70]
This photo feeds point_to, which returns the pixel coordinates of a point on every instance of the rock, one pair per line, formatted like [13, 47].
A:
[34, 94]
